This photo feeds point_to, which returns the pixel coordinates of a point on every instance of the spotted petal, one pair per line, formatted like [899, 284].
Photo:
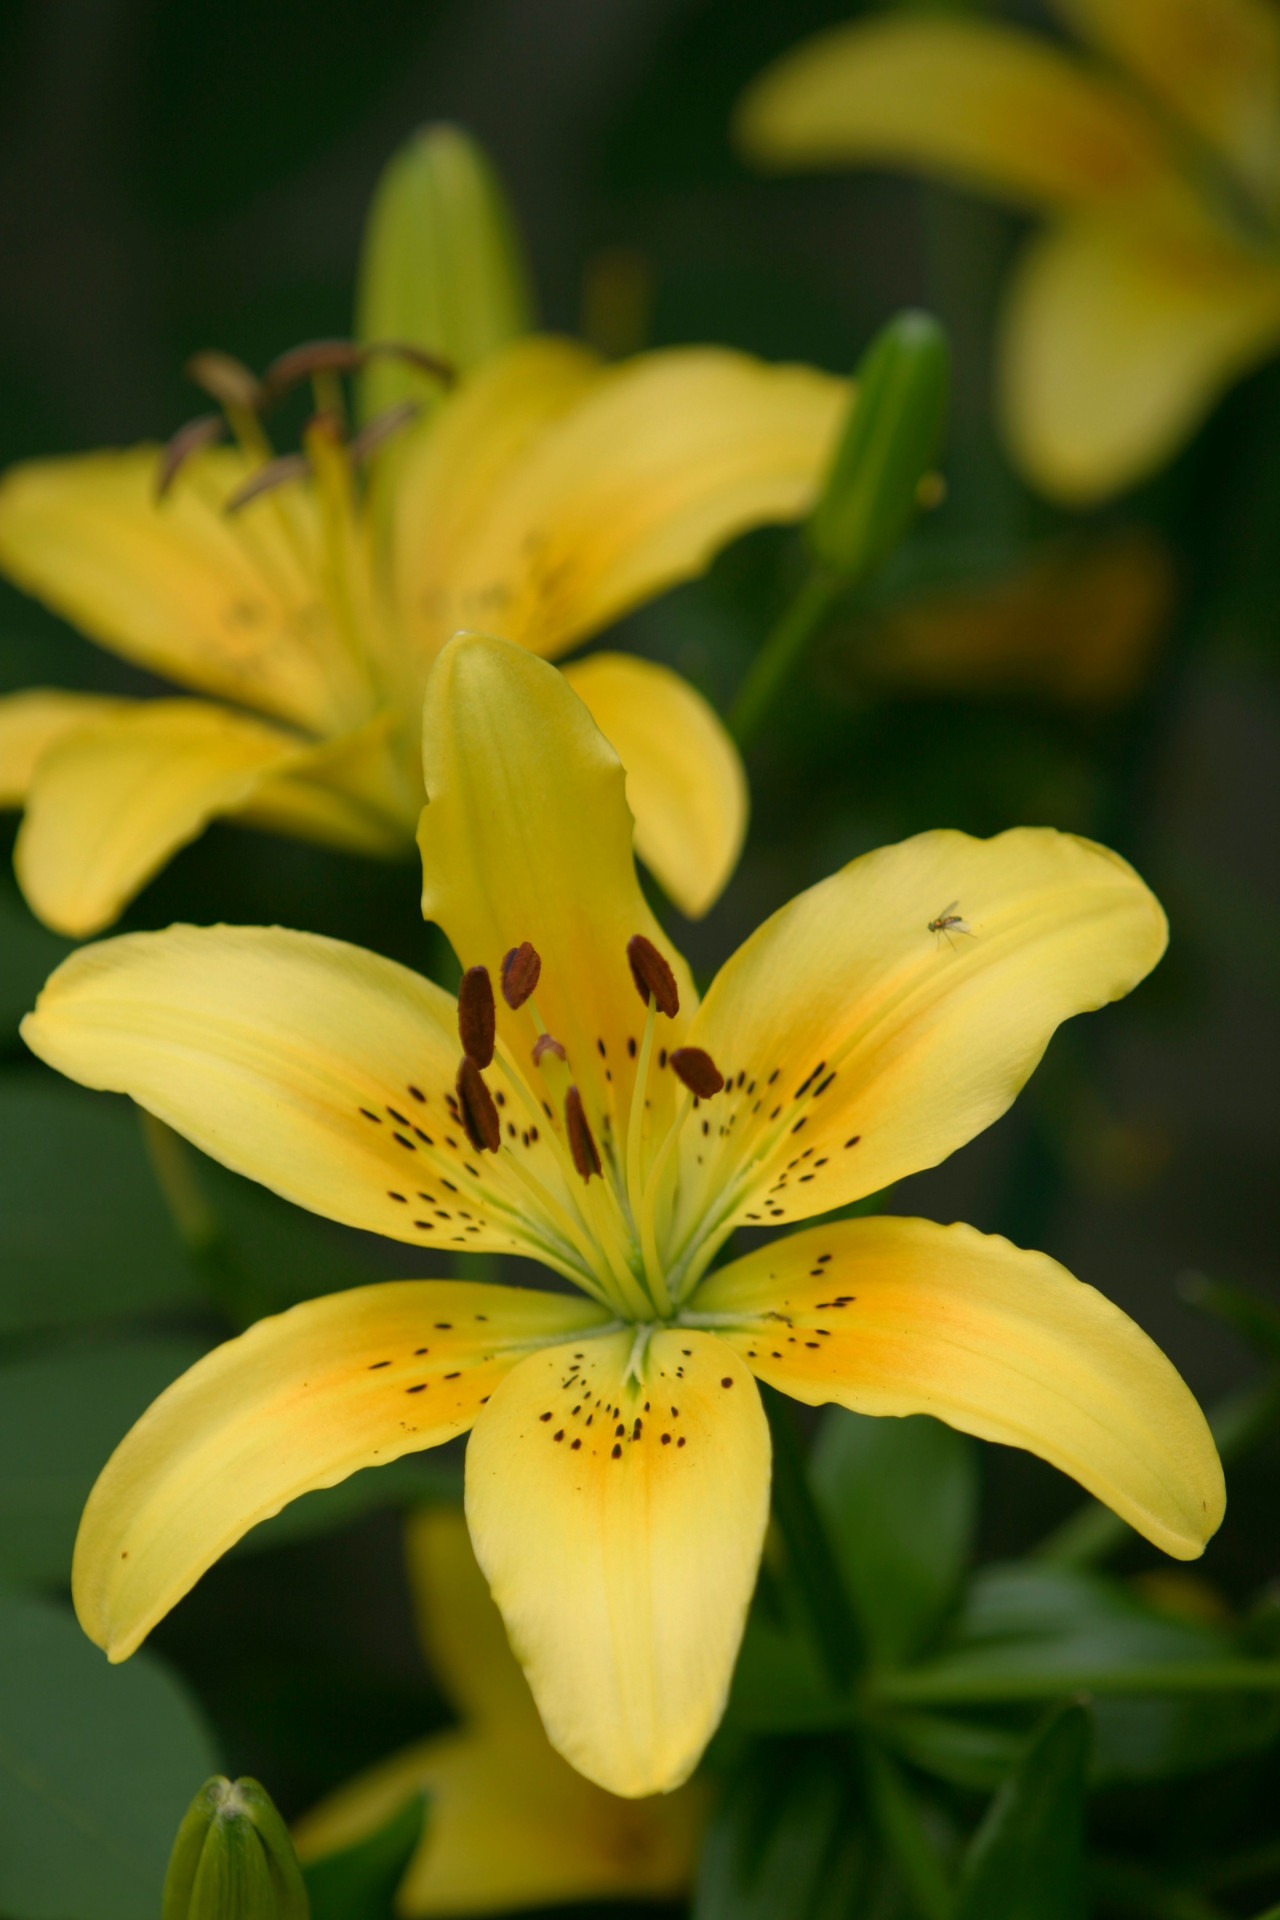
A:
[618, 1517]
[300, 1401]
[861, 1045]
[901, 1316]
[315, 1067]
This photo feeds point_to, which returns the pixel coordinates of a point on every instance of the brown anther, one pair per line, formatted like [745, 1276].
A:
[376, 432]
[479, 1115]
[581, 1144]
[203, 432]
[652, 975]
[344, 356]
[226, 380]
[698, 1071]
[476, 1023]
[521, 968]
[546, 1043]
[275, 473]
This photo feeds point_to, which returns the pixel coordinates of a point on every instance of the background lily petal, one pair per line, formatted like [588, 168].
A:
[988, 105]
[902, 1316]
[862, 1046]
[32, 721]
[685, 780]
[1116, 344]
[623, 1562]
[299, 1401]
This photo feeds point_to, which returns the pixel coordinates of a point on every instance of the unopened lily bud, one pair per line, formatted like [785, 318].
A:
[233, 1859]
[888, 448]
[441, 266]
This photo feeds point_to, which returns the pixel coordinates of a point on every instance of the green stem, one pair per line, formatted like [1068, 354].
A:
[903, 1836]
[919, 1687]
[816, 1578]
[781, 652]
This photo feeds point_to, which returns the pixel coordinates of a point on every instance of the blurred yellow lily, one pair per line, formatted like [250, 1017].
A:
[1156, 165]
[509, 1824]
[617, 1482]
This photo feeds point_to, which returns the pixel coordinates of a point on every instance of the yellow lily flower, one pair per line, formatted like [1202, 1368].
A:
[1155, 164]
[546, 497]
[509, 1823]
[617, 1483]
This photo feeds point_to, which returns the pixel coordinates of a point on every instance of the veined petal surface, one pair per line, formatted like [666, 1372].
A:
[317, 1068]
[618, 1517]
[902, 1316]
[226, 603]
[527, 836]
[1116, 343]
[31, 721]
[987, 105]
[685, 780]
[659, 463]
[115, 797]
[859, 1045]
[300, 1401]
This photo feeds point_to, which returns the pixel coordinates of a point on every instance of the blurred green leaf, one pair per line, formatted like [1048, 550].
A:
[1026, 1861]
[442, 265]
[60, 1417]
[786, 1842]
[419, 1481]
[84, 1233]
[97, 1765]
[360, 1883]
[967, 1753]
[28, 955]
[900, 1499]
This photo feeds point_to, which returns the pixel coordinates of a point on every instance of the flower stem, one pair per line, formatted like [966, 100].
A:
[781, 652]
[818, 1583]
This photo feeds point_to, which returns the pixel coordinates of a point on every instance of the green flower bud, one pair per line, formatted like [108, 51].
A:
[233, 1859]
[889, 444]
[441, 265]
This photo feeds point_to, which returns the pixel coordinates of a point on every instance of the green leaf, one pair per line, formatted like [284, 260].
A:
[890, 440]
[786, 1841]
[61, 1415]
[28, 955]
[1026, 1861]
[360, 1883]
[442, 266]
[899, 1498]
[84, 1232]
[97, 1764]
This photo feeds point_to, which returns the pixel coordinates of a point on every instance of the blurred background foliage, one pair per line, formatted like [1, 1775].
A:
[176, 175]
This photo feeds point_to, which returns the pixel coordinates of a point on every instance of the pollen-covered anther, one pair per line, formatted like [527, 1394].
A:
[520, 971]
[476, 1017]
[275, 473]
[226, 380]
[544, 1044]
[479, 1114]
[197, 434]
[698, 1071]
[653, 977]
[582, 1146]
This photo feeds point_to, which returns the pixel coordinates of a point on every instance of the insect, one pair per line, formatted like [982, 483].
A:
[949, 922]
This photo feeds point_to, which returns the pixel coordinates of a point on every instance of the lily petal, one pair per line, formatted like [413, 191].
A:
[622, 1554]
[1215, 63]
[115, 797]
[1116, 344]
[348, 792]
[685, 781]
[987, 105]
[300, 1401]
[859, 1045]
[315, 1067]
[224, 604]
[902, 1316]
[527, 836]
[32, 721]
[511, 1824]
[660, 463]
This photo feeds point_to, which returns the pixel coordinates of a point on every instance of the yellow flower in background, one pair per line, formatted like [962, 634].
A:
[1154, 163]
[617, 1481]
[545, 497]
[509, 1823]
